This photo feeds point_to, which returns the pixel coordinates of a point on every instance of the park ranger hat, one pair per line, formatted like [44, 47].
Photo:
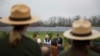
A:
[81, 30]
[20, 15]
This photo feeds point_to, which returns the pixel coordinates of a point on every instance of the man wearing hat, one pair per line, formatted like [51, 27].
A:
[16, 43]
[81, 35]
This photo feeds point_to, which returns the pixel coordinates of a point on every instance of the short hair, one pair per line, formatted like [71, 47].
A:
[58, 34]
[34, 35]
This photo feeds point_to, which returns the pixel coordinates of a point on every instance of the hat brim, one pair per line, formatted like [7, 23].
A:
[95, 34]
[6, 20]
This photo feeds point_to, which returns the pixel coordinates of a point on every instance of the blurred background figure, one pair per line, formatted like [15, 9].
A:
[54, 50]
[45, 50]
[36, 38]
[17, 43]
[47, 40]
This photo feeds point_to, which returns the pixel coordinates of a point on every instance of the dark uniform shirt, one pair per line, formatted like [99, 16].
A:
[67, 53]
[26, 47]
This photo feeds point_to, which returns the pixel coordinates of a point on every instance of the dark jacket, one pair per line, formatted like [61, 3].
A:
[59, 40]
[67, 53]
[26, 47]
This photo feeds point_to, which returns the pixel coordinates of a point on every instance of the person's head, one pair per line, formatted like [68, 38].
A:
[35, 35]
[47, 36]
[16, 34]
[45, 50]
[20, 18]
[58, 35]
[20, 28]
[80, 47]
[54, 42]
[80, 43]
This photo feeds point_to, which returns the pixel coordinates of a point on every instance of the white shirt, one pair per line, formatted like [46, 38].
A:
[47, 43]
[38, 40]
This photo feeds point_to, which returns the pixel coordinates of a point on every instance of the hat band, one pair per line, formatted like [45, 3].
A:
[20, 19]
[81, 35]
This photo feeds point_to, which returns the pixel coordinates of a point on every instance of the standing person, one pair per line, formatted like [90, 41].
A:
[16, 43]
[81, 35]
[53, 47]
[36, 38]
[59, 43]
[47, 40]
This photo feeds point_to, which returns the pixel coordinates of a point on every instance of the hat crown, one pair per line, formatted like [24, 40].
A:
[20, 15]
[20, 11]
[81, 26]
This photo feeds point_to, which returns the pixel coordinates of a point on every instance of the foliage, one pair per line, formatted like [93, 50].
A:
[96, 40]
[50, 35]
[36, 33]
[3, 34]
[67, 40]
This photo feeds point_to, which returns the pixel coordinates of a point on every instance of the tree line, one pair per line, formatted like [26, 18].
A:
[55, 21]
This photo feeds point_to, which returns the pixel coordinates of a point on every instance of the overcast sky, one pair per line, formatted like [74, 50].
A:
[47, 8]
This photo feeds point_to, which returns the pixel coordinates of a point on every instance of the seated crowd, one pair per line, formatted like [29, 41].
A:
[55, 45]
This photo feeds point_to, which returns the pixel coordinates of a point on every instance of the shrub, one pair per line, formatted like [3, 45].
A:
[3, 34]
[50, 35]
[36, 32]
[96, 40]
[67, 40]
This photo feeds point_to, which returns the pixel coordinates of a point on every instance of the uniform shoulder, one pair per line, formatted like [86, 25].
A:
[64, 53]
[29, 40]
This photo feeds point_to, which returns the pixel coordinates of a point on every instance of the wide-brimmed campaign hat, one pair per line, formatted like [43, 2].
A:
[20, 15]
[81, 30]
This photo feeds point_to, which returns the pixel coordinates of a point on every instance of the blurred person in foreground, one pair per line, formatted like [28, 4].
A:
[45, 50]
[17, 43]
[81, 35]
[53, 47]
